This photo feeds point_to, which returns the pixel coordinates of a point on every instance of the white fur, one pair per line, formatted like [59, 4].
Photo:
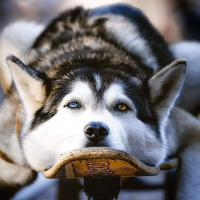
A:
[16, 39]
[65, 131]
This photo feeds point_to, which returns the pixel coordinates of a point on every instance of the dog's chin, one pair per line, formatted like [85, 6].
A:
[96, 144]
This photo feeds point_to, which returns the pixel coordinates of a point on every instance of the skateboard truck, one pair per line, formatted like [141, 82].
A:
[102, 169]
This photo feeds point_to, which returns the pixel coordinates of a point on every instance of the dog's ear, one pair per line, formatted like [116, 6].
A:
[28, 84]
[165, 87]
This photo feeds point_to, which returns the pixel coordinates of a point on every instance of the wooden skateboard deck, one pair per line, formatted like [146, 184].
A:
[98, 162]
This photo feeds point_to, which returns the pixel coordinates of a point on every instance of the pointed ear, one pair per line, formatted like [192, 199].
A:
[165, 87]
[28, 84]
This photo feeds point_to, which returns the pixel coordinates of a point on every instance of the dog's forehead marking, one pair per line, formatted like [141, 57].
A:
[80, 90]
[115, 92]
[98, 81]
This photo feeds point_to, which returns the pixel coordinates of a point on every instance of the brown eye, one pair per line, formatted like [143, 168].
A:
[122, 107]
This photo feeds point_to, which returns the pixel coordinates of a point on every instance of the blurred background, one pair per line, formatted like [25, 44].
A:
[176, 20]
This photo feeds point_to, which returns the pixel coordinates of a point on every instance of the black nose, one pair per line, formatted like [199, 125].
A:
[96, 131]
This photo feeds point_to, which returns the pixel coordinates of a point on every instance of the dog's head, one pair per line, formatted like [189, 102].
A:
[87, 107]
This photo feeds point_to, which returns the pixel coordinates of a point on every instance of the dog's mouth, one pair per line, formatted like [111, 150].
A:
[96, 144]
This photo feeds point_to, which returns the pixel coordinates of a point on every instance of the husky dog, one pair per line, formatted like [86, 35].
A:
[96, 78]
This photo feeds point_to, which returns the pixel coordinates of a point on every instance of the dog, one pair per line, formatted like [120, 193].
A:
[97, 78]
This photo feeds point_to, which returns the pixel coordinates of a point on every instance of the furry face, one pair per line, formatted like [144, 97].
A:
[65, 131]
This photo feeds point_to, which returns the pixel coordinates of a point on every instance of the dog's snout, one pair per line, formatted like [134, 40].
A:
[96, 131]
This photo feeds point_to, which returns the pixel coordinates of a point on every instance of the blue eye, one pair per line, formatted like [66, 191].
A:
[73, 105]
